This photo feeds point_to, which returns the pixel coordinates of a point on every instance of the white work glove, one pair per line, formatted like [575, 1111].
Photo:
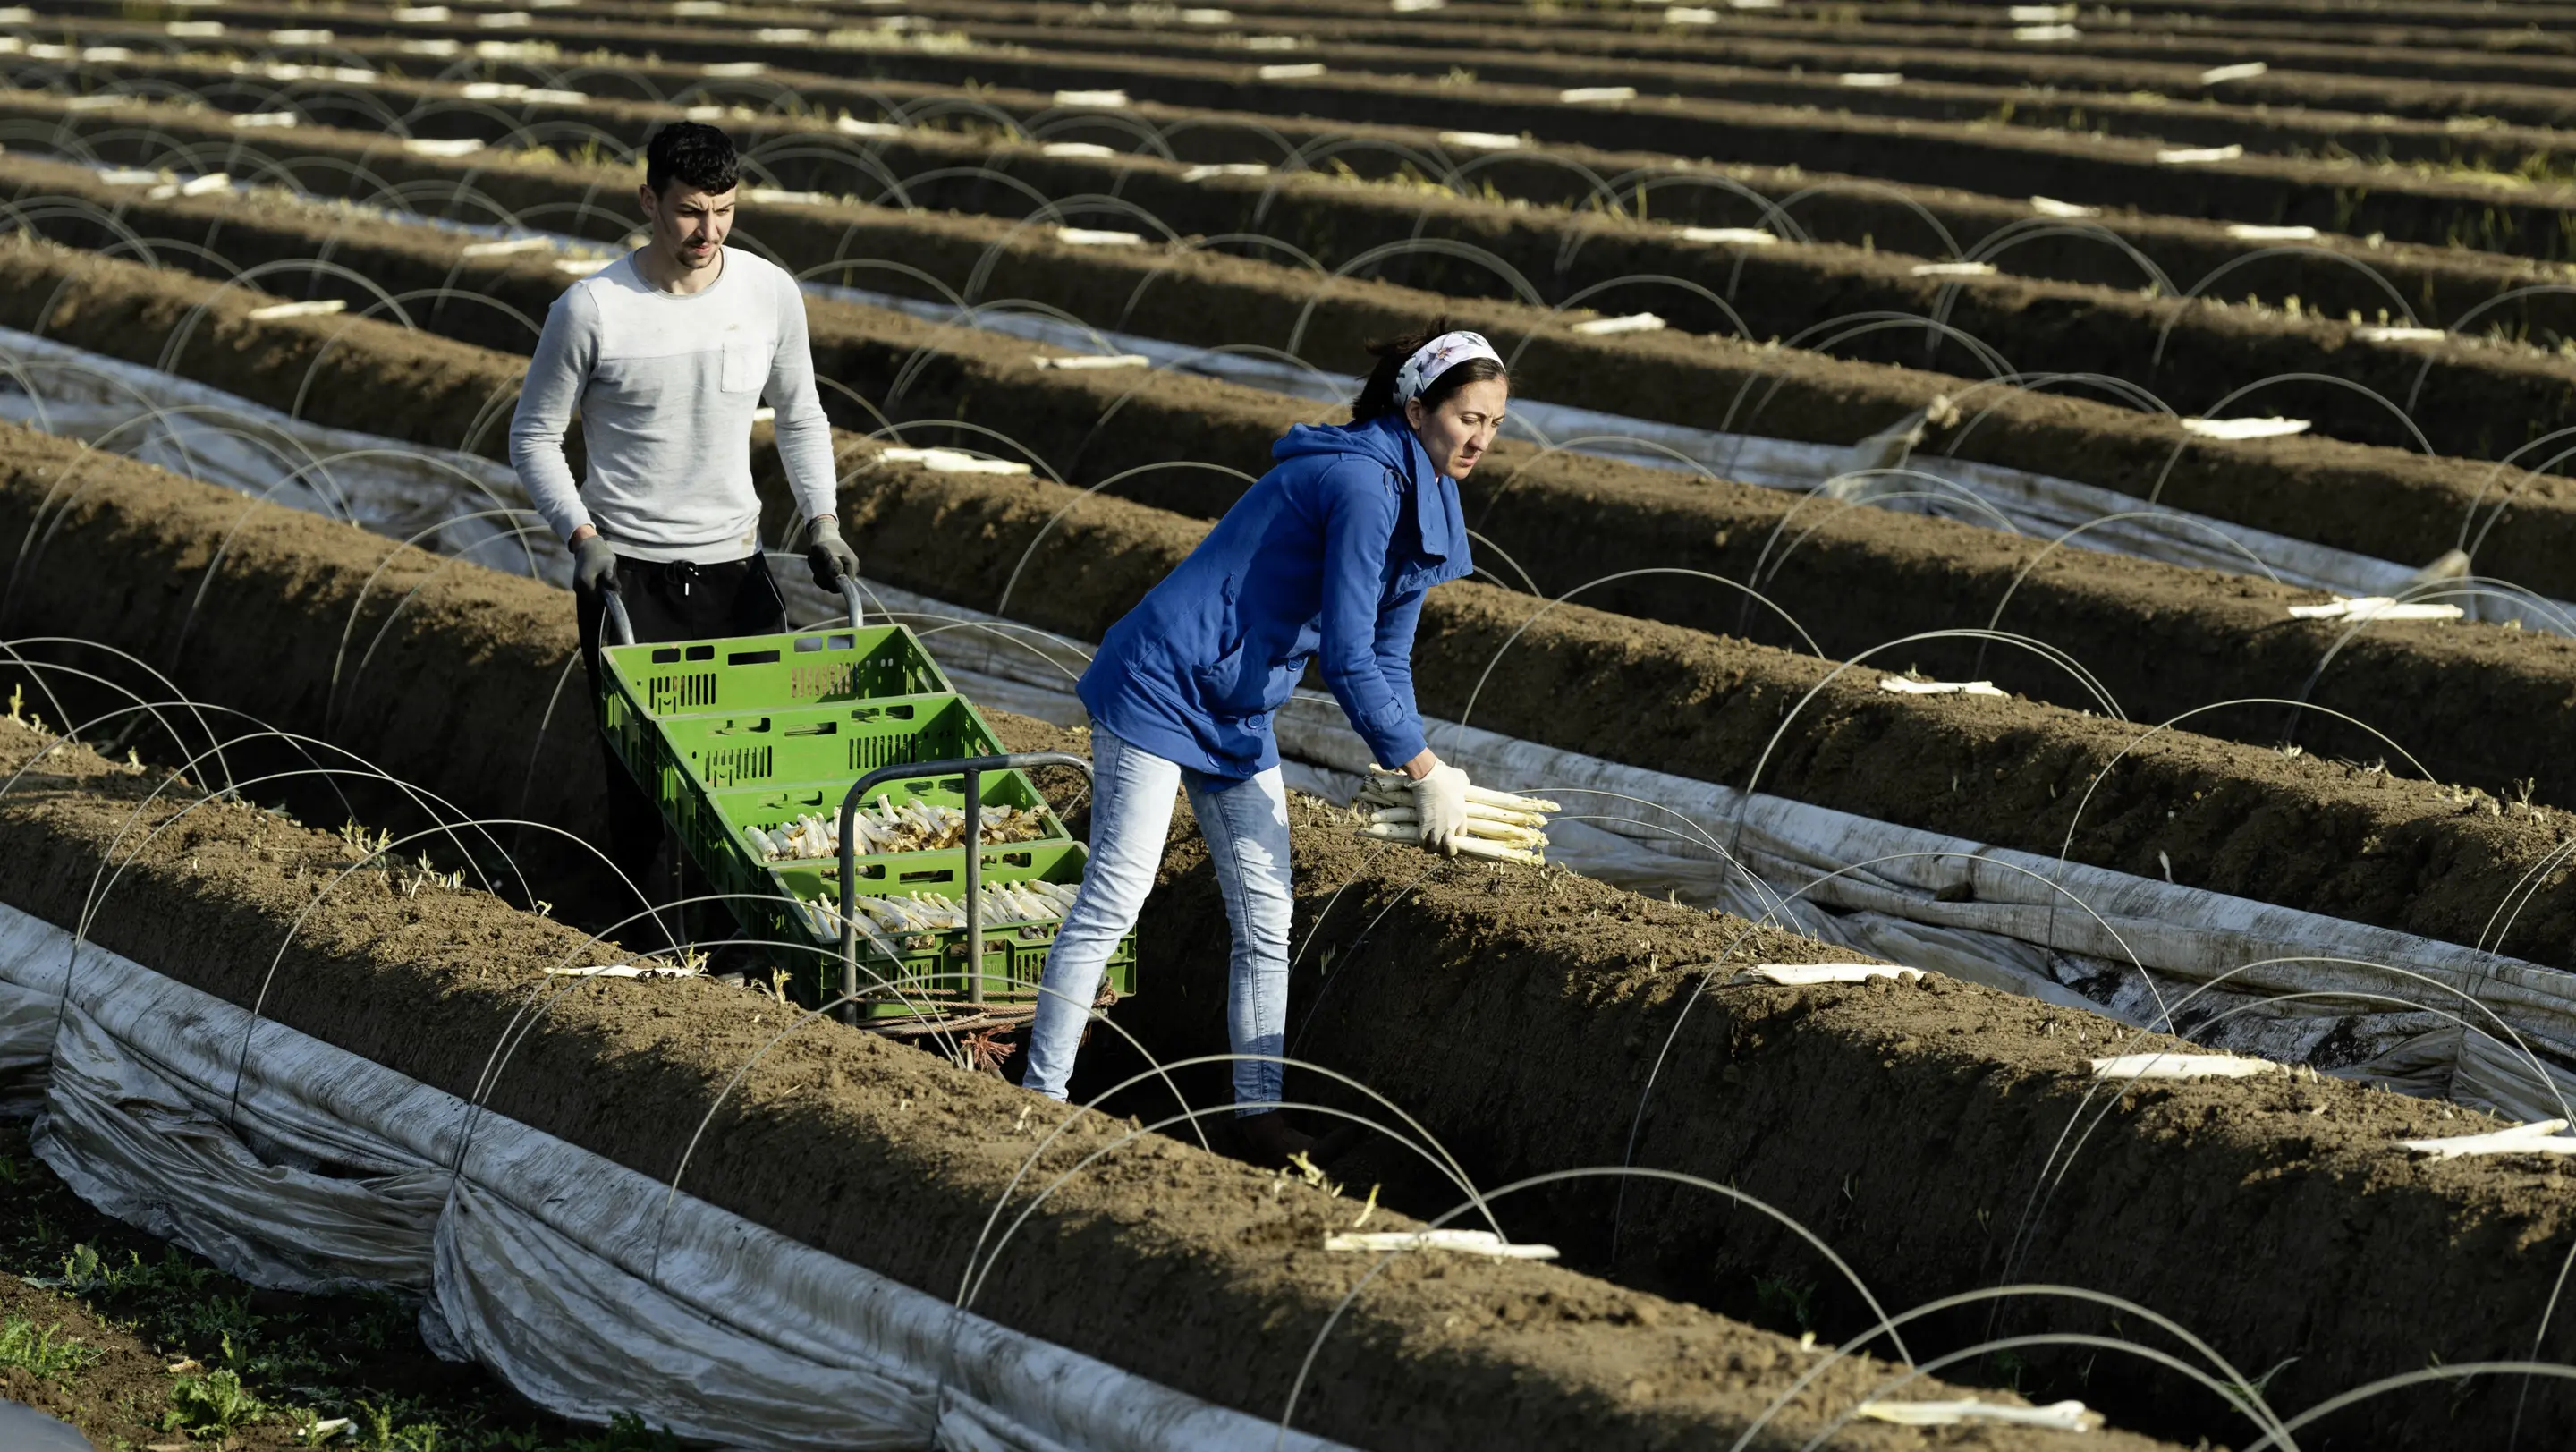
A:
[1440, 808]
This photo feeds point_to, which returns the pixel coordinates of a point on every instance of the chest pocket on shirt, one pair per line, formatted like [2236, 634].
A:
[746, 362]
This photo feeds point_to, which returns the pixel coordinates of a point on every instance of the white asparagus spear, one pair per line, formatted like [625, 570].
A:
[1467, 847]
[1398, 782]
[1406, 812]
[880, 827]
[1405, 799]
[1476, 827]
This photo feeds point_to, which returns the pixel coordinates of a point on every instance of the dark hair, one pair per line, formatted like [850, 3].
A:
[691, 152]
[1377, 395]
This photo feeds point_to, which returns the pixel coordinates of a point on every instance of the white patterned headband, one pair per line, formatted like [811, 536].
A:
[1437, 357]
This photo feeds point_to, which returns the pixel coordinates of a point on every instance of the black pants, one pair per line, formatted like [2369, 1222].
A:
[668, 602]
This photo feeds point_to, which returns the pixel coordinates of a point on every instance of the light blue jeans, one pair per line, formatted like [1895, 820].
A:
[1246, 827]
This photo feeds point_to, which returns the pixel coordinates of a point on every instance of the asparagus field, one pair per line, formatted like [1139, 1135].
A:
[2023, 609]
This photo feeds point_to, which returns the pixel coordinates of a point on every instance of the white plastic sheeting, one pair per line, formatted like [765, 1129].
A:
[2421, 1015]
[1862, 473]
[2040, 505]
[405, 491]
[122, 1133]
[2017, 932]
[463, 504]
[590, 1288]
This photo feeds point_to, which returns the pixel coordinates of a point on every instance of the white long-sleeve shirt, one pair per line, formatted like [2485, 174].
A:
[666, 385]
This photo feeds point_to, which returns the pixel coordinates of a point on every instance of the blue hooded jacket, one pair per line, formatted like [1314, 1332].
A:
[1328, 555]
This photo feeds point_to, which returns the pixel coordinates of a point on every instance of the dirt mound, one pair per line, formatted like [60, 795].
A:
[1941, 1137]
[2163, 641]
[1168, 1261]
[1524, 1020]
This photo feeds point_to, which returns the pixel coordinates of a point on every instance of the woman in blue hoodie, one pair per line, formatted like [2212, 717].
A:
[1326, 558]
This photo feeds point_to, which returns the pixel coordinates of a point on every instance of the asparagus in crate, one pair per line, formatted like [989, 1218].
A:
[1500, 826]
[885, 827]
[930, 912]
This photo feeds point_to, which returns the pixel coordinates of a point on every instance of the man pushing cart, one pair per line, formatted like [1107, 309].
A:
[665, 354]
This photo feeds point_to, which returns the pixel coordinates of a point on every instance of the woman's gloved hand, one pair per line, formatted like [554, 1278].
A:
[1440, 806]
[594, 566]
[829, 554]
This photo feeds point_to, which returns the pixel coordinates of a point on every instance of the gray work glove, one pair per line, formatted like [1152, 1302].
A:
[829, 554]
[594, 567]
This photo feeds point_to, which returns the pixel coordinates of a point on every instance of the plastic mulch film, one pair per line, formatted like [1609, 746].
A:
[465, 505]
[447, 502]
[2153, 954]
[2039, 505]
[591, 1289]
[2037, 945]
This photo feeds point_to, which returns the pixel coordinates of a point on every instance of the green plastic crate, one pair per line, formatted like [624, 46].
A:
[756, 730]
[807, 667]
[811, 668]
[840, 742]
[912, 970]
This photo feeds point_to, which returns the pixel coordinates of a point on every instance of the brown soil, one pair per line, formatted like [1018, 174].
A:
[2299, 132]
[1574, 33]
[1746, 41]
[2439, 283]
[2004, 161]
[2360, 50]
[2302, 832]
[119, 1399]
[2393, 854]
[2105, 171]
[1162, 1259]
[1920, 1130]
[2322, 835]
[2382, 502]
[2493, 1213]
[2163, 640]
[272, 1339]
[1536, 949]
[1793, 42]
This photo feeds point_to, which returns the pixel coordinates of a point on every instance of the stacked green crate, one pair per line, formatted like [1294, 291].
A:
[759, 731]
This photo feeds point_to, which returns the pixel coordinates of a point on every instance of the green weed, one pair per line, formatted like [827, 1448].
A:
[43, 1352]
[1786, 1297]
[211, 1405]
[384, 1428]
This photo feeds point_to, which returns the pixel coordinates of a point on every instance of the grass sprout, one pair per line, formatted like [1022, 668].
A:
[43, 1352]
[211, 1406]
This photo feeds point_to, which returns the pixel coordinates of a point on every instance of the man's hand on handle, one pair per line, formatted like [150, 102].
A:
[594, 564]
[829, 554]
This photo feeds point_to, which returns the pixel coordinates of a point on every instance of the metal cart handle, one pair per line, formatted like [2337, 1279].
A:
[624, 626]
[973, 769]
[617, 617]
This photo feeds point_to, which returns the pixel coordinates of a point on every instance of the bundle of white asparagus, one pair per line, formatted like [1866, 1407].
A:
[883, 826]
[929, 912]
[1500, 826]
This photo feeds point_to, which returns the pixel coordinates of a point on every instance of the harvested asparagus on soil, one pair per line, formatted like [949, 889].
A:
[884, 827]
[1500, 826]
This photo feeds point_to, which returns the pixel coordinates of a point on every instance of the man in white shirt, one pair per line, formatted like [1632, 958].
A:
[666, 353]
